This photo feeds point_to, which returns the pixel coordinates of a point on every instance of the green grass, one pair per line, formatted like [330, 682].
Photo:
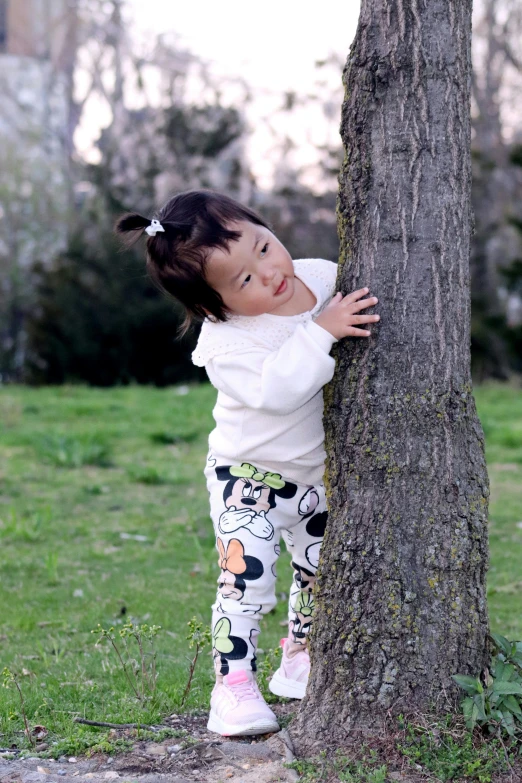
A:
[500, 410]
[441, 749]
[104, 519]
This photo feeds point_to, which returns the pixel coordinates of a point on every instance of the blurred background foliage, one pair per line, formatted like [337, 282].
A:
[74, 307]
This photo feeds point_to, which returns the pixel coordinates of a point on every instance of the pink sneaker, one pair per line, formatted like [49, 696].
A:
[291, 678]
[237, 707]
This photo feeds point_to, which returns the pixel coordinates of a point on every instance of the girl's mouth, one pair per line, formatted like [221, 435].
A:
[282, 287]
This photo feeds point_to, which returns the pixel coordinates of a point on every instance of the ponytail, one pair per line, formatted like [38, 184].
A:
[133, 224]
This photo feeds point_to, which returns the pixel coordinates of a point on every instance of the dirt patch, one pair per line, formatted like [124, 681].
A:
[213, 761]
[198, 755]
[204, 757]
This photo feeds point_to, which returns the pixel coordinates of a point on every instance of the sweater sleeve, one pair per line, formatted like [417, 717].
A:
[277, 382]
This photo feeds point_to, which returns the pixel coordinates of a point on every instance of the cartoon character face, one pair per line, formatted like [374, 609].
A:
[254, 633]
[231, 586]
[303, 578]
[246, 492]
[236, 567]
[300, 626]
[316, 525]
[226, 647]
[248, 487]
[308, 502]
[312, 554]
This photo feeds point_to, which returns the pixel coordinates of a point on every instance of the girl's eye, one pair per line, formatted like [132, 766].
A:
[245, 281]
[264, 249]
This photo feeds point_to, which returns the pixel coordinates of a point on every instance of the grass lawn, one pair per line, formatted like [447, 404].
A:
[104, 520]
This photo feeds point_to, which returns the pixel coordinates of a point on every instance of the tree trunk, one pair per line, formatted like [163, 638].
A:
[401, 600]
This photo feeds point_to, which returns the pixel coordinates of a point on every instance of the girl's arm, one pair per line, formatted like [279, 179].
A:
[277, 382]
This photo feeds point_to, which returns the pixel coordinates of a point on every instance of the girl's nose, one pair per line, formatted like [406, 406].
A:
[268, 275]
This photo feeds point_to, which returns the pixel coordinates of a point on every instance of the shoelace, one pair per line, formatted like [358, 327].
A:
[243, 691]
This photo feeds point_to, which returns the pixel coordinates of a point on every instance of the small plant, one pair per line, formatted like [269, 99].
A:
[15, 527]
[162, 734]
[341, 768]
[51, 566]
[88, 744]
[67, 451]
[146, 475]
[495, 702]
[139, 670]
[10, 679]
[446, 749]
[96, 489]
[199, 637]
[171, 438]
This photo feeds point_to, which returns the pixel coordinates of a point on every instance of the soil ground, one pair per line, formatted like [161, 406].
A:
[204, 757]
[198, 756]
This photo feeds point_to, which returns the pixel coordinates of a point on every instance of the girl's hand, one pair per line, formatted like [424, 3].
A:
[340, 316]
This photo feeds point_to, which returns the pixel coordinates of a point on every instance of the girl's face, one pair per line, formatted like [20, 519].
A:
[256, 275]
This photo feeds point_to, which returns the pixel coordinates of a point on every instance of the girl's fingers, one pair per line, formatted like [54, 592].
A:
[355, 295]
[353, 332]
[356, 307]
[364, 319]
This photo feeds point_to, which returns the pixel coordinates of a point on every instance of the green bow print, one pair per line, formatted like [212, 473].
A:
[304, 605]
[272, 480]
[220, 636]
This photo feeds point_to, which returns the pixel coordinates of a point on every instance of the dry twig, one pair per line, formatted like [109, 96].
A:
[289, 752]
[120, 725]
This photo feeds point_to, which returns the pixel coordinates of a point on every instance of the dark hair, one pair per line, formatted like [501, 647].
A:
[195, 222]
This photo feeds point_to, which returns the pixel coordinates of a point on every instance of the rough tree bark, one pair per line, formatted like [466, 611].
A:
[401, 600]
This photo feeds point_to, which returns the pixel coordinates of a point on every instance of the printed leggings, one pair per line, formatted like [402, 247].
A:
[251, 509]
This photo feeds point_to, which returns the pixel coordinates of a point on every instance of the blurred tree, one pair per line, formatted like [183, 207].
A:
[96, 317]
[301, 202]
[100, 321]
[34, 192]
[497, 188]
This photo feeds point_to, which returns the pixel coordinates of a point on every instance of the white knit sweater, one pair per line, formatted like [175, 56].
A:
[269, 371]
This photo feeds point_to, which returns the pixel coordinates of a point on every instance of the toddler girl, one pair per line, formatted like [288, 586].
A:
[269, 324]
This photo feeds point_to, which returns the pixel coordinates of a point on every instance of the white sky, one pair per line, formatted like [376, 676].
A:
[272, 45]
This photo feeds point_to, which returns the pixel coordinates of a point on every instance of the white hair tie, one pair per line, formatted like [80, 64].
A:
[154, 227]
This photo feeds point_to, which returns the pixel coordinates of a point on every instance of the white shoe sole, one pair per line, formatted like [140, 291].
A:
[282, 686]
[261, 726]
